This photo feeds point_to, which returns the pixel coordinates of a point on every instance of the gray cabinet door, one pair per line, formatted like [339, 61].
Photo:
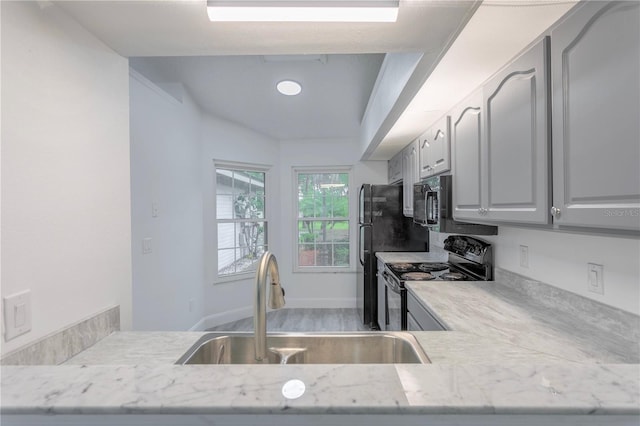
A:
[424, 143]
[434, 145]
[439, 158]
[517, 140]
[395, 168]
[410, 165]
[466, 142]
[596, 104]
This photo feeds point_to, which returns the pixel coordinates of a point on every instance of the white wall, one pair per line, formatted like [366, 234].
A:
[166, 171]
[321, 290]
[226, 141]
[65, 170]
[560, 259]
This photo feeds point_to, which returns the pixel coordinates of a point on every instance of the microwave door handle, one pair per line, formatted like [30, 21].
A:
[432, 206]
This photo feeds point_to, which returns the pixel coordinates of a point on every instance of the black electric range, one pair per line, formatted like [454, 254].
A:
[469, 259]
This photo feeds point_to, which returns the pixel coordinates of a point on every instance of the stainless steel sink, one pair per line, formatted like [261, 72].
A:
[308, 348]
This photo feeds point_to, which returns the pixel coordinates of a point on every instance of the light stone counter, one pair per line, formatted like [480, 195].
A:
[132, 373]
[495, 311]
[507, 362]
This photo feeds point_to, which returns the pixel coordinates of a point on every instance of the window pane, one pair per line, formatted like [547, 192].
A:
[306, 255]
[323, 242]
[338, 231]
[226, 261]
[244, 206]
[226, 235]
[341, 255]
[250, 238]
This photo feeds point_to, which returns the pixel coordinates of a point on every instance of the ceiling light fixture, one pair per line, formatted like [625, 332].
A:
[289, 87]
[303, 10]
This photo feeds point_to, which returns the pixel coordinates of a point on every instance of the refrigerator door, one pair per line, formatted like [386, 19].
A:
[380, 228]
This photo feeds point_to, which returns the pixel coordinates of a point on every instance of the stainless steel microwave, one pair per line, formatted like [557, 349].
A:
[433, 208]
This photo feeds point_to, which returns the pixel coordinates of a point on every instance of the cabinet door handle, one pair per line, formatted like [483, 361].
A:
[555, 212]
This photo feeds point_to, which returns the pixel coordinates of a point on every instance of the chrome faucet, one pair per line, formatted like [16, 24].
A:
[267, 264]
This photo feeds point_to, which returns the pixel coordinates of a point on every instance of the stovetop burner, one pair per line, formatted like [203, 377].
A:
[400, 267]
[417, 276]
[452, 276]
[433, 267]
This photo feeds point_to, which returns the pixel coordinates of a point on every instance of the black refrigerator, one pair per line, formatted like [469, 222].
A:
[382, 226]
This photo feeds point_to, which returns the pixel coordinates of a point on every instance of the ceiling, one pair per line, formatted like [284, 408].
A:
[223, 66]
[242, 89]
[231, 69]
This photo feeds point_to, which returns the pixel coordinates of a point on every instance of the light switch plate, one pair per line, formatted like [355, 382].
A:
[595, 278]
[146, 246]
[17, 314]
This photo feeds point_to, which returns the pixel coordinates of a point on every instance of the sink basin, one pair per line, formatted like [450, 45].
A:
[308, 348]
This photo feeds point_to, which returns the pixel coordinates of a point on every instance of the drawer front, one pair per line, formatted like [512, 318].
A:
[424, 319]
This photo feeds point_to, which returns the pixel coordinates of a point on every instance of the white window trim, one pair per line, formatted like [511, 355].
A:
[234, 165]
[295, 170]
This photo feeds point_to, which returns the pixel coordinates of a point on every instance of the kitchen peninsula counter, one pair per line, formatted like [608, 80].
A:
[122, 375]
[473, 372]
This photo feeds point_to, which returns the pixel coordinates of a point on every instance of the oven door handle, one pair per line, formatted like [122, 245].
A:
[391, 283]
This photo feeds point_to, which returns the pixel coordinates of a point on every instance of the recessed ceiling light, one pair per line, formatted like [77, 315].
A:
[289, 87]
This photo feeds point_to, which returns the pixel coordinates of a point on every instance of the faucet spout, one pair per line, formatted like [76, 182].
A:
[266, 265]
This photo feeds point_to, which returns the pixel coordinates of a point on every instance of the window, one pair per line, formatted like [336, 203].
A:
[240, 217]
[322, 224]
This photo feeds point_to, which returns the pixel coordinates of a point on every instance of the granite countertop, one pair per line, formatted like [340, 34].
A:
[133, 373]
[501, 358]
[501, 312]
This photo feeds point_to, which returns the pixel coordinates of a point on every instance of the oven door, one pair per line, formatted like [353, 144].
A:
[391, 302]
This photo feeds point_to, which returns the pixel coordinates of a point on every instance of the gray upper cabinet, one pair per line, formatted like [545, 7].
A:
[410, 175]
[596, 137]
[424, 143]
[435, 149]
[466, 142]
[516, 148]
[395, 168]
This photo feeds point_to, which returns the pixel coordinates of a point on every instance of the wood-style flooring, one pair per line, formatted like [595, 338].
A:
[302, 320]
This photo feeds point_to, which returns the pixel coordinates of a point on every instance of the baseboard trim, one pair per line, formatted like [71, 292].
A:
[322, 303]
[214, 320]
